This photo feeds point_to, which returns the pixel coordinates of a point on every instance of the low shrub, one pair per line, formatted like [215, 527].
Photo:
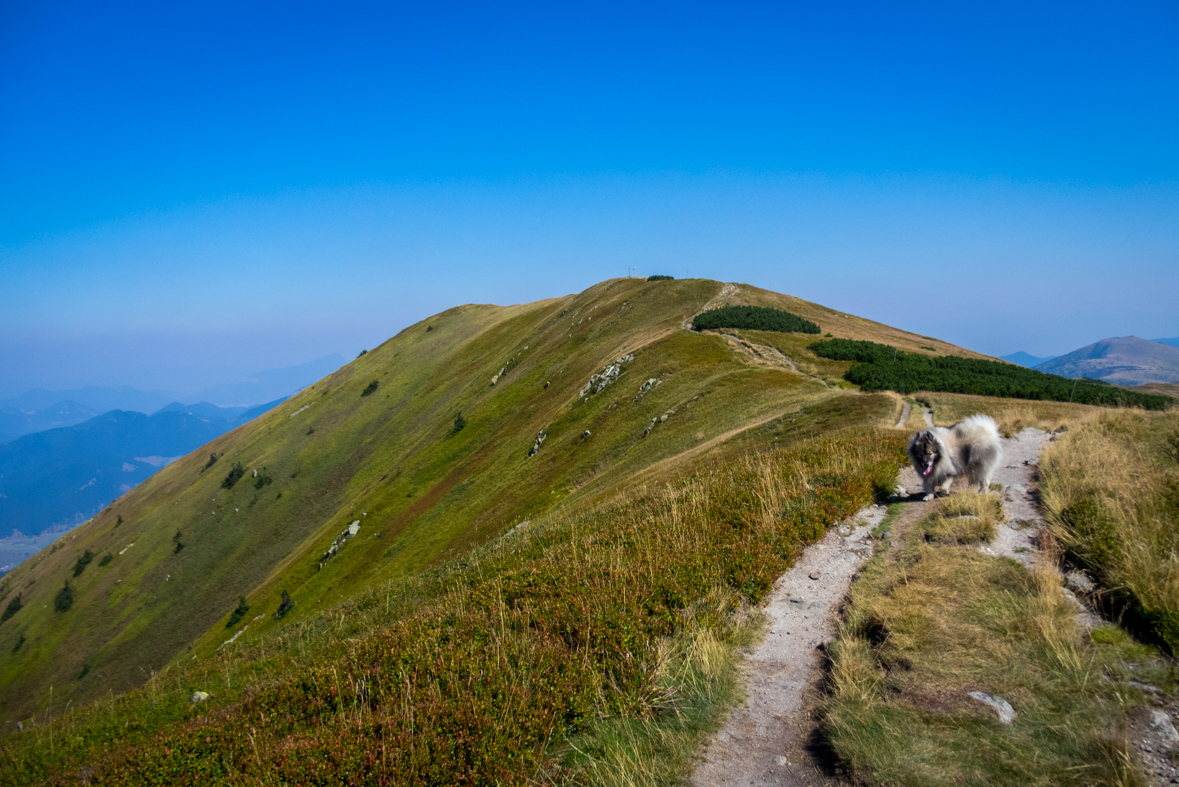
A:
[754, 318]
[106, 559]
[13, 607]
[238, 613]
[284, 605]
[64, 598]
[459, 423]
[19, 643]
[660, 277]
[83, 560]
[234, 476]
[883, 367]
[370, 388]
[262, 481]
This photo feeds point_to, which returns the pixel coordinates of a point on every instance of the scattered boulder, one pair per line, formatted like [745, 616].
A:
[586, 434]
[598, 382]
[540, 436]
[349, 532]
[199, 696]
[815, 574]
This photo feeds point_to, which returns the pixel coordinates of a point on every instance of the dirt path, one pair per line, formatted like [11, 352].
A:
[928, 414]
[762, 742]
[726, 291]
[761, 354]
[905, 409]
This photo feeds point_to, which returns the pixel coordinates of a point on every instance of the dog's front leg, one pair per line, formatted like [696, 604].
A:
[927, 484]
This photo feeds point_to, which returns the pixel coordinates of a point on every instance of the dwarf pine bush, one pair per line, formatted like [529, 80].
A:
[883, 367]
[754, 318]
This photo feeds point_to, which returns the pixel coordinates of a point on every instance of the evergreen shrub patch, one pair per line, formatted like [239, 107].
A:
[238, 613]
[234, 476]
[883, 367]
[754, 318]
[370, 388]
[13, 607]
[660, 277]
[64, 598]
[83, 560]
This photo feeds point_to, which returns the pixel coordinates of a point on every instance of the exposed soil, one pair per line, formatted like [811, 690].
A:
[767, 741]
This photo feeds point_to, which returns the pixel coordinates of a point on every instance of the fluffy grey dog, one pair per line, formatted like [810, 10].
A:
[971, 448]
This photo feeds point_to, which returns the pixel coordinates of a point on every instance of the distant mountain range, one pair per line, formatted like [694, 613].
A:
[1023, 359]
[53, 480]
[38, 409]
[1173, 342]
[1125, 360]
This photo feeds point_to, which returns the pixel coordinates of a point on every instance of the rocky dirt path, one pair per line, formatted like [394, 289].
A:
[763, 742]
[761, 354]
[717, 300]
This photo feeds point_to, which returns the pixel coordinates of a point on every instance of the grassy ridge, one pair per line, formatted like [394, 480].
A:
[881, 367]
[477, 673]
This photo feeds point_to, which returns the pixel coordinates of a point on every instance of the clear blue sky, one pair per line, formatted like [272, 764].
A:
[192, 191]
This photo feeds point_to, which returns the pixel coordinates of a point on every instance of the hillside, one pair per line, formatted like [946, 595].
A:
[257, 511]
[1126, 360]
[53, 480]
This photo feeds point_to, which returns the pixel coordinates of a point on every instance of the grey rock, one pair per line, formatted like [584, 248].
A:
[780, 760]
[797, 600]
[1015, 491]
[1143, 686]
[199, 696]
[1078, 582]
[1002, 706]
[1161, 721]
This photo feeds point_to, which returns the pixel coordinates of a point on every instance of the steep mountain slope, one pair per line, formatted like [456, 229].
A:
[1125, 360]
[610, 378]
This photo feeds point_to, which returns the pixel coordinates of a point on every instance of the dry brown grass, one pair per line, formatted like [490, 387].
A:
[932, 621]
[1012, 415]
[1111, 491]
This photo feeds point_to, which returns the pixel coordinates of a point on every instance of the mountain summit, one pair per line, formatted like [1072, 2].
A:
[444, 438]
[1125, 360]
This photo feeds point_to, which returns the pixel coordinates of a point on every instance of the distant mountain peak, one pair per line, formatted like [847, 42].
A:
[1122, 360]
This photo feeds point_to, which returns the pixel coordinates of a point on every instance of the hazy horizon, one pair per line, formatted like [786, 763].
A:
[189, 194]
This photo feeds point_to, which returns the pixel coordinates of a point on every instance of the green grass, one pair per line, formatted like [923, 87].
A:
[934, 620]
[574, 642]
[1110, 487]
[433, 502]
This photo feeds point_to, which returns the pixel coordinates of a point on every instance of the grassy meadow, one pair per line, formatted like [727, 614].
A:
[568, 512]
[579, 647]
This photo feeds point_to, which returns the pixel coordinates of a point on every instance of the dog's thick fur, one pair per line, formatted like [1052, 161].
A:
[971, 448]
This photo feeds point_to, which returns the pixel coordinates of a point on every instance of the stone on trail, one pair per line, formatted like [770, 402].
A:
[1161, 721]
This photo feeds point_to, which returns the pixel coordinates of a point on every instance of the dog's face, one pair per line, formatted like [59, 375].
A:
[924, 450]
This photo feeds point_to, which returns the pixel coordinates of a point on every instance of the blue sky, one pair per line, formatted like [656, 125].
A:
[189, 193]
